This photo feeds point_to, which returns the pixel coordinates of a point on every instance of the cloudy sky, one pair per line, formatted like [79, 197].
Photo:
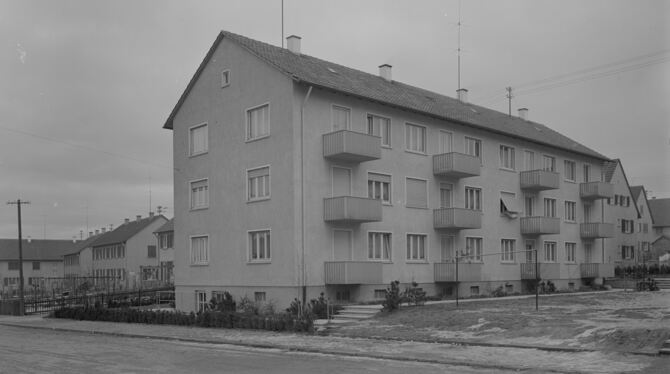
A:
[85, 86]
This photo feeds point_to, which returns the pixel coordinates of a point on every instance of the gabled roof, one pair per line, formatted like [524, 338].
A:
[35, 249]
[126, 231]
[635, 191]
[83, 244]
[609, 167]
[660, 210]
[662, 237]
[168, 226]
[327, 75]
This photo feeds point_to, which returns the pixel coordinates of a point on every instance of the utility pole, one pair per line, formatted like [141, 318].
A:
[509, 99]
[18, 204]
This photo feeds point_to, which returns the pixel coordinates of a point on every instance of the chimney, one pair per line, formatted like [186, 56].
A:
[90, 233]
[385, 72]
[126, 220]
[103, 230]
[138, 217]
[462, 95]
[97, 232]
[523, 114]
[293, 44]
[151, 214]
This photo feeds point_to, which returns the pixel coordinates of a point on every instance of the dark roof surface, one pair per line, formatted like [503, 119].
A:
[168, 226]
[609, 167]
[35, 249]
[82, 244]
[660, 210]
[635, 191]
[313, 71]
[126, 231]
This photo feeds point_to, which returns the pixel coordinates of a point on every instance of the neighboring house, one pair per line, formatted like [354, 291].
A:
[78, 262]
[628, 209]
[165, 239]
[128, 253]
[42, 260]
[660, 209]
[299, 176]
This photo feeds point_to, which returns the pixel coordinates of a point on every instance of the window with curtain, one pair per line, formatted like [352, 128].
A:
[416, 247]
[379, 246]
[258, 122]
[258, 183]
[380, 126]
[415, 138]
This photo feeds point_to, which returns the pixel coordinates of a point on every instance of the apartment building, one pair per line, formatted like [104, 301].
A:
[128, 253]
[299, 176]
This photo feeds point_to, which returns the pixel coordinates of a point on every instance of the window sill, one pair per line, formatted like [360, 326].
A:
[386, 146]
[416, 152]
[569, 221]
[200, 264]
[508, 263]
[257, 139]
[416, 207]
[198, 154]
[507, 170]
[259, 262]
[257, 200]
[569, 181]
[199, 208]
[417, 262]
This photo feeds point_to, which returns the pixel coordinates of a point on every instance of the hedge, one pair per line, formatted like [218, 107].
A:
[231, 320]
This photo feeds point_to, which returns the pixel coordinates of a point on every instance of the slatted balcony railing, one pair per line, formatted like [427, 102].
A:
[540, 225]
[457, 218]
[596, 190]
[353, 272]
[456, 165]
[595, 230]
[539, 180]
[351, 209]
[467, 272]
[351, 146]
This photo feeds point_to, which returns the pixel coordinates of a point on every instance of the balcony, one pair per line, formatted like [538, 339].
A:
[350, 146]
[596, 230]
[596, 190]
[539, 180]
[547, 270]
[353, 272]
[350, 209]
[456, 165]
[457, 218]
[467, 272]
[540, 225]
[596, 270]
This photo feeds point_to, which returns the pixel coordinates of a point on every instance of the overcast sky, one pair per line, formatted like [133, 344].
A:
[85, 86]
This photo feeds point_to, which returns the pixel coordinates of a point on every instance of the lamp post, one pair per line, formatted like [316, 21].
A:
[18, 204]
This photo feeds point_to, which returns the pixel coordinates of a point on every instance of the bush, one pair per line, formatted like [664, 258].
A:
[499, 292]
[392, 297]
[414, 295]
[247, 306]
[226, 303]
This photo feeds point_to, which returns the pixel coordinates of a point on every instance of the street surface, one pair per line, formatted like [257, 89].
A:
[26, 350]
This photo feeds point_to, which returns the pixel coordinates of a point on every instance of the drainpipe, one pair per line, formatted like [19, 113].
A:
[302, 196]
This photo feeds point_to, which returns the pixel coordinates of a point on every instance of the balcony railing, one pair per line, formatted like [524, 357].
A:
[596, 230]
[539, 180]
[353, 272]
[596, 270]
[596, 190]
[456, 165]
[548, 270]
[350, 209]
[457, 218]
[467, 272]
[540, 225]
[351, 146]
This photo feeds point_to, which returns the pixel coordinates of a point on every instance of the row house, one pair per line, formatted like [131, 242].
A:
[165, 240]
[299, 176]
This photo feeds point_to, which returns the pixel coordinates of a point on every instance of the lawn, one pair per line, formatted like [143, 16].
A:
[617, 321]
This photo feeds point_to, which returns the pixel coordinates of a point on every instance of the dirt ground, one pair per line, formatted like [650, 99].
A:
[618, 321]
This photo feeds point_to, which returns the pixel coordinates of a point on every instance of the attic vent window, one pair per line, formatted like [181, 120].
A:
[332, 70]
[225, 78]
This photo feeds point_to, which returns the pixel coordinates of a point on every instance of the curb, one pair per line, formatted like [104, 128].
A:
[299, 349]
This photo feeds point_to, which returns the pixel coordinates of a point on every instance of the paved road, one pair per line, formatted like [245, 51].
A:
[42, 351]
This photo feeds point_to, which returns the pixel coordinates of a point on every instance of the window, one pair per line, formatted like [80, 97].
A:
[13, 265]
[549, 207]
[198, 139]
[259, 297]
[225, 78]
[570, 251]
[570, 170]
[645, 228]
[587, 173]
[549, 163]
[341, 118]
[473, 147]
[473, 249]
[508, 204]
[445, 141]
[416, 247]
[379, 294]
[529, 202]
[445, 195]
[200, 301]
[417, 193]
[474, 290]
[200, 194]
[507, 157]
[165, 240]
[627, 252]
[415, 138]
[550, 251]
[379, 246]
[528, 160]
[379, 187]
[259, 246]
[570, 211]
[381, 127]
[36, 265]
[507, 248]
[627, 226]
[258, 122]
[447, 248]
[473, 198]
[199, 250]
[151, 251]
[258, 184]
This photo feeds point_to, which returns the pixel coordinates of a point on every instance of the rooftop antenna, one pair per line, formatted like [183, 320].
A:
[282, 23]
[459, 44]
[509, 99]
[150, 192]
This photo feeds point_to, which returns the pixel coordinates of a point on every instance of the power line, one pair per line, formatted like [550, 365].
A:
[80, 146]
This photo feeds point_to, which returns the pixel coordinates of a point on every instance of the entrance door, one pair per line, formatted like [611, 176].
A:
[342, 245]
[445, 141]
[341, 181]
[530, 251]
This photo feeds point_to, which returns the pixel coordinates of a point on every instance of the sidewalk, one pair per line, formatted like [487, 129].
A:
[477, 356]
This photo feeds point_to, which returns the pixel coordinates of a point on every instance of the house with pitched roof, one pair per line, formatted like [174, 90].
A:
[660, 209]
[299, 176]
[42, 259]
[128, 253]
[78, 261]
[165, 239]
